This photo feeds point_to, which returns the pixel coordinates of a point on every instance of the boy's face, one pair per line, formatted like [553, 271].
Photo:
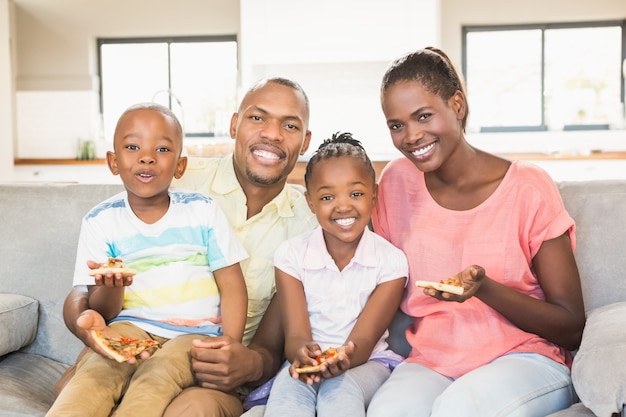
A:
[147, 147]
[342, 194]
[271, 132]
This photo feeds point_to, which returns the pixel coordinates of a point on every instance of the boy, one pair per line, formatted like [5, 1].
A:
[189, 281]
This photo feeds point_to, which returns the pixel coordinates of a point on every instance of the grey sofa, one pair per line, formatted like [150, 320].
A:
[38, 235]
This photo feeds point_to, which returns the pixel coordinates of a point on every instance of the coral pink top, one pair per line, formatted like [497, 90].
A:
[502, 234]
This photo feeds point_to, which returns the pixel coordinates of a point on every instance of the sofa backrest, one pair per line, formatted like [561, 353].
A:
[38, 238]
[40, 223]
[599, 209]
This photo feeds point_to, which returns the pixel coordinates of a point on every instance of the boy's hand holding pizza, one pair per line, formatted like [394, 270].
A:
[112, 273]
[93, 324]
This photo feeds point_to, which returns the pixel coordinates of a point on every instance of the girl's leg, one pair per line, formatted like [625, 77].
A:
[159, 379]
[410, 391]
[350, 393]
[515, 385]
[291, 397]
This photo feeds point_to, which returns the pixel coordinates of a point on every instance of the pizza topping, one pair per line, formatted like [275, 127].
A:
[331, 352]
[113, 263]
[321, 359]
[451, 281]
[125, 348]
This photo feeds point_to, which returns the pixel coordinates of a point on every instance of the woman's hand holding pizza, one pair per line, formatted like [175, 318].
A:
[469, 279]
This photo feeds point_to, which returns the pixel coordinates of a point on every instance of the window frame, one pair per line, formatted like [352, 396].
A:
[169, 40]
[466, 29]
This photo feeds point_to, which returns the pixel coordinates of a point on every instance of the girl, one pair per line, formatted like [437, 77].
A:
[502, 347]
[338, 286]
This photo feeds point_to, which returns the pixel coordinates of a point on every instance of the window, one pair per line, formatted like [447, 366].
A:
[545, 77]
[195, 77]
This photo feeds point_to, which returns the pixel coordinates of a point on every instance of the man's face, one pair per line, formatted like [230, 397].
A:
[270, 131]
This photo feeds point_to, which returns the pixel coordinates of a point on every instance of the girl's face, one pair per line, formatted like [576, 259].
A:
[342, 194]
[424, 128]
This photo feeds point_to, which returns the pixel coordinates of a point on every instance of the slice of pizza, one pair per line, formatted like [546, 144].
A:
[123, 348]
[450, 285]
[331, 352]
[114, 266]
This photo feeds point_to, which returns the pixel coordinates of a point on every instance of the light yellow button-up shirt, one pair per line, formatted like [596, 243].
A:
[286, 216]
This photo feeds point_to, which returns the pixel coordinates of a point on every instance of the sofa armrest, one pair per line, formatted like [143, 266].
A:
[598, 371]
[19, 316]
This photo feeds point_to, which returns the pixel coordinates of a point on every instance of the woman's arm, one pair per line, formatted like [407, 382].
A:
[233, 300]
[561, 317]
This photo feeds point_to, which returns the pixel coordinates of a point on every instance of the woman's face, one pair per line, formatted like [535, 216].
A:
[423, 127]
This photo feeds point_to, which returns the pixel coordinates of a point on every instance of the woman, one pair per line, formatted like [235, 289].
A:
[502, 347]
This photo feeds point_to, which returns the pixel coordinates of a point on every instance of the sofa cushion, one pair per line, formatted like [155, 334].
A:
[20, 314]
[27, 382]
[598, 373]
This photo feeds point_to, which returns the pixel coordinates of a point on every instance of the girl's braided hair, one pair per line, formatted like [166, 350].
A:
[340, 144]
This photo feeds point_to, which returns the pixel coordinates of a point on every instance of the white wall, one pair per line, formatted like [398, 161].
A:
[6, 94]
[338, 51]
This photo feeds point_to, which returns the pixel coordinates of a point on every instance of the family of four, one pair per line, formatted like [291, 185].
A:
[243, 278]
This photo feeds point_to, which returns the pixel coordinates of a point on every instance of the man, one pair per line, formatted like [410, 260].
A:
[270, 131]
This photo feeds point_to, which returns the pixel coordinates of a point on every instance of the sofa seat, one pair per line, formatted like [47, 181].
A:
[29, 378]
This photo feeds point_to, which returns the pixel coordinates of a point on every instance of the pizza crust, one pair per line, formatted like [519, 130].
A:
[439, 286]
[126, 272]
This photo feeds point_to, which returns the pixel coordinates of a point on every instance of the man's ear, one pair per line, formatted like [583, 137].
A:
[112, 163]
[181, 166]
[306, 142]
[233, 125]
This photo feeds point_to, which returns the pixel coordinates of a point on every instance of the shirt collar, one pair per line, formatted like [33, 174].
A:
[317, 256]
[226, 182]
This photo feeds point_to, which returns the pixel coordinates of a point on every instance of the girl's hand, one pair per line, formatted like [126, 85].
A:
[334, 366]
[470, 278]
[305, 356]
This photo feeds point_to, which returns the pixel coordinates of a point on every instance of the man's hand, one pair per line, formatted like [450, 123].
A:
[224, 364]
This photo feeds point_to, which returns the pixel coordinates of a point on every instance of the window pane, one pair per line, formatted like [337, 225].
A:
[204, 78]
[504, 78]
[131, 73]
[581, 76]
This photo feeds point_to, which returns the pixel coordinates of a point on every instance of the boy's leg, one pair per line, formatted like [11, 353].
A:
[159, 379]
[98, 382]
[515, 385]
[410, 391]
[350, 393]
[291, 397]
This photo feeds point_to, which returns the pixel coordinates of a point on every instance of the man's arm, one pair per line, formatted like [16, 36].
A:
[269, 343]
[224, 364]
